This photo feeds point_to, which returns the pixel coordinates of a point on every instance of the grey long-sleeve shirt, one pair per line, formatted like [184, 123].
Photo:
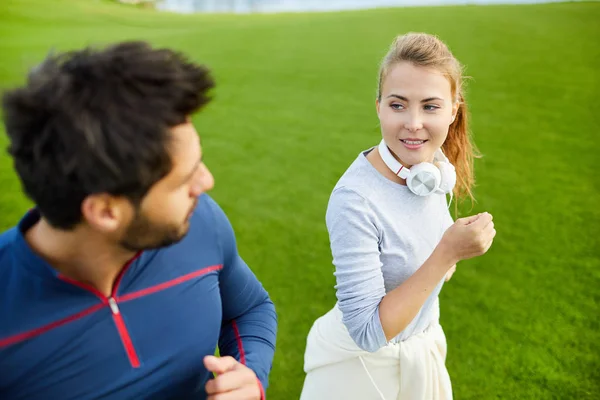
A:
[380, 234]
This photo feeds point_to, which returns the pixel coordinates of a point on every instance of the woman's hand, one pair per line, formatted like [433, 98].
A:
[468, 237]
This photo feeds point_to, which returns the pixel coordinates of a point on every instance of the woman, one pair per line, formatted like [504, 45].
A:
[393, 240]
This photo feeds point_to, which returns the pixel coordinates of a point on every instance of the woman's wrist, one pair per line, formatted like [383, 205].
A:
[444, 257]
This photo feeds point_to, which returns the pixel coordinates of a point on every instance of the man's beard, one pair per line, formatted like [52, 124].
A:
[142, 234]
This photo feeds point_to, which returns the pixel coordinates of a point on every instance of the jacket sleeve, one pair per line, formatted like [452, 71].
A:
[249, 327]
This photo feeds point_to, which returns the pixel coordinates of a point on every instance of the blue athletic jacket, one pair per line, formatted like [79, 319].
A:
[61, 339]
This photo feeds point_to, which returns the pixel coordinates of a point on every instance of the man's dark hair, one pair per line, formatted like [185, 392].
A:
[97, 121]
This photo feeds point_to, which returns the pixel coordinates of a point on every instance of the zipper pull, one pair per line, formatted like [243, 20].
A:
[113, 305]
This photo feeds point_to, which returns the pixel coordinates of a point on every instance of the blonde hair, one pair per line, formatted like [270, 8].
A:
[428, 51]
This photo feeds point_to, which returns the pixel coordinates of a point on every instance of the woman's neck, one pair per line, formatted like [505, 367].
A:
[377, 162]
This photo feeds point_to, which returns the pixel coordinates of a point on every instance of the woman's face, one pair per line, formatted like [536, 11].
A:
[415, 112]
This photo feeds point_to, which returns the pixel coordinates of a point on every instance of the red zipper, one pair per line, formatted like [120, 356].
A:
[125, 338]
[116, 313]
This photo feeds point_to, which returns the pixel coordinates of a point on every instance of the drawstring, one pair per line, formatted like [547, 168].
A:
[371, 378]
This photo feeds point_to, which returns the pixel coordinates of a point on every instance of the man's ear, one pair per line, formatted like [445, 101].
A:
[105, 212]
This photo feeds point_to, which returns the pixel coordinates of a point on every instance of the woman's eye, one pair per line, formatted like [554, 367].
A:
[396, 106]
[431, 107]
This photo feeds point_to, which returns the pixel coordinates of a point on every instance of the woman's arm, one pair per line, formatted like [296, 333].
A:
[466, 238]
[401, 305]
[372, 317]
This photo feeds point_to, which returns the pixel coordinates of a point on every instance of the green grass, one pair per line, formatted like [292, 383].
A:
[295, 104]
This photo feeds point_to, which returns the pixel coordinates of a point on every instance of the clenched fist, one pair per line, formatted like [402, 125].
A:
[468, 237]
[234, 380]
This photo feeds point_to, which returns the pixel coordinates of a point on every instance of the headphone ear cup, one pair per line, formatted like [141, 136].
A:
[424, 179]
[448, 176]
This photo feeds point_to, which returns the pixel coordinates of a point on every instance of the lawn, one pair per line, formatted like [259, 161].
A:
[294, 105]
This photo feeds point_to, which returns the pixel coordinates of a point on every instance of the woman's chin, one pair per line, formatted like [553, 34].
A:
[409, 159]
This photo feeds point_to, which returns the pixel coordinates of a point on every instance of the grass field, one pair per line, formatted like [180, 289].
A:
[294, 105]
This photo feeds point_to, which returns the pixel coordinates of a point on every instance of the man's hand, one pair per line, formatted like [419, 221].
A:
[234, 380]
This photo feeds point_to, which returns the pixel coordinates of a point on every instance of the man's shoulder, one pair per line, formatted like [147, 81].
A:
[206, 202]
[209, 210]
[201, 247]
[8, 282]
[206, 226]
[7, 239]
[8, 236]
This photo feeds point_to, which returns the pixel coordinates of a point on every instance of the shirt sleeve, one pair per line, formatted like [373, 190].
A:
[354, 240]
[249, 326]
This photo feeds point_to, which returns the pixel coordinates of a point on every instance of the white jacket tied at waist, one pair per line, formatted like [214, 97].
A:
[337, 369]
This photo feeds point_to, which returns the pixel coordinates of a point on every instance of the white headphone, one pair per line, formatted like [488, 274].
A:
[424, 178]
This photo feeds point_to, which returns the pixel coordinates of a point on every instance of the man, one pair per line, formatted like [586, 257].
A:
[125, 277]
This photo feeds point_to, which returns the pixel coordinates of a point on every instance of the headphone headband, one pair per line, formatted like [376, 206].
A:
[397, 167]
[391, 162]
[424, 178]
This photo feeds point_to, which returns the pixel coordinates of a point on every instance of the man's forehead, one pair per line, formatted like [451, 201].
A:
[185, 146]
[185, 135]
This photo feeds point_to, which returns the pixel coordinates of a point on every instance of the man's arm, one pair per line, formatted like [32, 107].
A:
[249, 328]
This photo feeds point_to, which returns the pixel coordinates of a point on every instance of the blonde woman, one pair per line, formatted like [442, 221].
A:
[393, 240]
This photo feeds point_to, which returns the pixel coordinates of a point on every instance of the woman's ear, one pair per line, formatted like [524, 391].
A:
[455, 108]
